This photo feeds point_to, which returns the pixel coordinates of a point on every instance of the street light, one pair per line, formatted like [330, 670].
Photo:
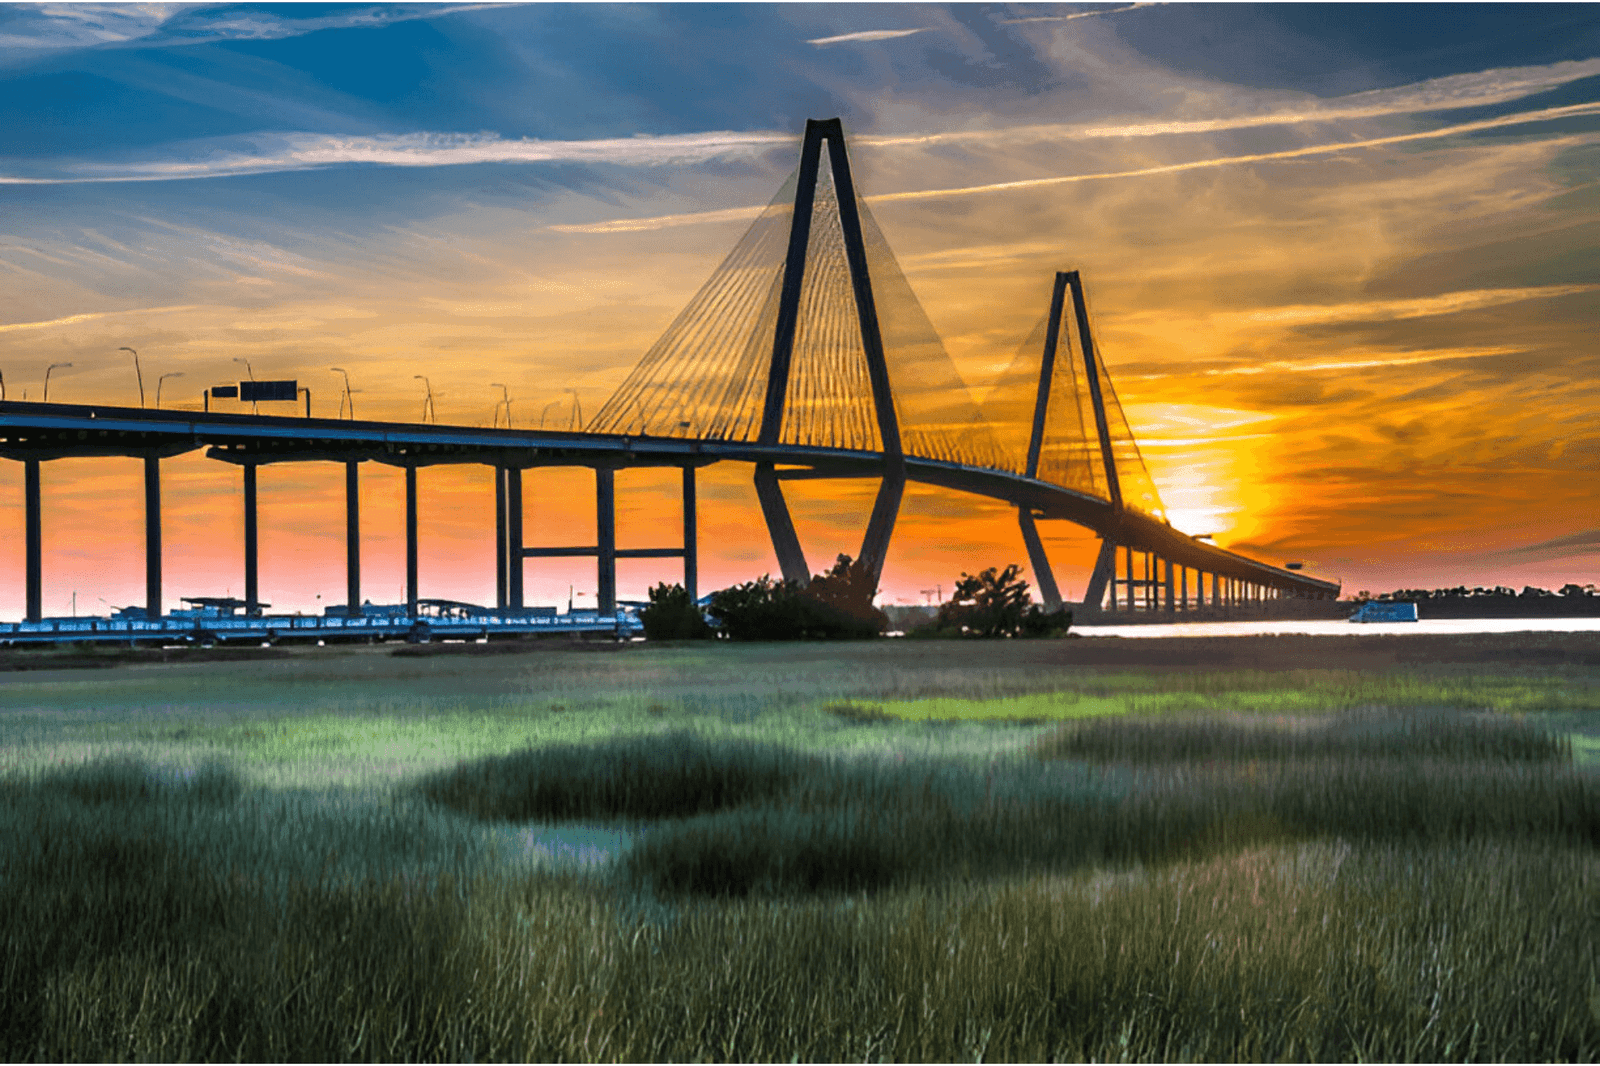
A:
[140, 375]
[427, 404]
[254, 407]
[52, 366]
[577, 410]
[2, 386]
[346, 397]
[159, 380]
[552, 403]
[506, 394]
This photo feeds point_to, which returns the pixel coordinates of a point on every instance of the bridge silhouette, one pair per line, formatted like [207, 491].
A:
[807, 354]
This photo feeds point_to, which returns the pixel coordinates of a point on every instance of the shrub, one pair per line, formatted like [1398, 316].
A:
[837, 605]
[995, 604]
[673, 615]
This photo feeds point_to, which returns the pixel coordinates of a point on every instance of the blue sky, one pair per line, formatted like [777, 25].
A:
[1343, 258]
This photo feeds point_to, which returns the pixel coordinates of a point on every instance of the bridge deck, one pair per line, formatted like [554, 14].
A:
[39, 431]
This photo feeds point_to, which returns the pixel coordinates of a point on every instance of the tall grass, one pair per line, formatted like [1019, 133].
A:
[1370, 735]
[813, 884]
[649, 777]
[1320, 950]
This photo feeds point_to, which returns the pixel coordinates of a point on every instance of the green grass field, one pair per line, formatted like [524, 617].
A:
[1262, 848]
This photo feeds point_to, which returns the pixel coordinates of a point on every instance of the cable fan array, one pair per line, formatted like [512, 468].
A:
[706, 377]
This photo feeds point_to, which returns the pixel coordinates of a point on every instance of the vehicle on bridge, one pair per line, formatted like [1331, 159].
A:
[1383, 611]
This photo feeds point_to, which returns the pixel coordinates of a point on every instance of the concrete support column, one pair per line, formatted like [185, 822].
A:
[1043, 576]
[605, 516]
[1128, 586]
[1183, 589]
[785, 543]
[514, 538]
[1172, 605]
[1105, 572]
[252, 584]
[34, 549]
[502, 562]
[352, 538]
[691, 537]
[411, 541]
[152, 537]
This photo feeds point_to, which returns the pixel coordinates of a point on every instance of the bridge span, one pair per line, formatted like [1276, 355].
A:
[805, 355]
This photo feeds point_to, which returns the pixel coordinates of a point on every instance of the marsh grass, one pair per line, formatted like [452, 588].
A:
[669, 775]
[1300, 951]
[1188, 882]
[1368, 735]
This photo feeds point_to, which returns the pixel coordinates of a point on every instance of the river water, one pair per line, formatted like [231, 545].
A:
[1449, 626]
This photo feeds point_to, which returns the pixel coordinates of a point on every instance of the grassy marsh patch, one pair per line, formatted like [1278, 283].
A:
[674, 854]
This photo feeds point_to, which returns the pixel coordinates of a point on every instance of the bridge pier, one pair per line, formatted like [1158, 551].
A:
[152, 537]
[252, 587]
[1039, 561]
[352, 538]
[514, 542]
[1166, 566]
[34, 550]
[780, 526]
[411, 541]
[691, 536]
[885, 509]
[605, 514]
[1104, 573]
[501, 558]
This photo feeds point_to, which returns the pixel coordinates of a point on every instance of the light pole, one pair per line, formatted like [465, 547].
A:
[254, 407]
[159, 380]
[346, 398]
[2, 386]
[577, 410]
[546, 411]
[52, 366]
[140, 375]
[506, 399]
[427, 404]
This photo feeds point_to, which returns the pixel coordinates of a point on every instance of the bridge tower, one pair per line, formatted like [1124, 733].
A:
[1070, 283]
[780, 526]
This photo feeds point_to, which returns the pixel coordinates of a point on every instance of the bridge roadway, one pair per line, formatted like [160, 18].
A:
[36, 432]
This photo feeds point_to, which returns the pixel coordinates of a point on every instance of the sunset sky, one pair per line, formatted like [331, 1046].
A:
[1342, 261]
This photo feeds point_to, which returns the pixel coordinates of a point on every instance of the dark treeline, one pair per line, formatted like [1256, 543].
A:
[1464, 602]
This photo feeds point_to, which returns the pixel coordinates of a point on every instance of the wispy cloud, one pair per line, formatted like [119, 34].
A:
[1585, 543]
[90, 316]
[277, 152]
[1501, 122]
[1480, 89]
[57, 27]
[1448, 303]
[1080, 14]
[867, 35]
[638, 225]
[1549, 114]
[1281, 366]
[272, 153]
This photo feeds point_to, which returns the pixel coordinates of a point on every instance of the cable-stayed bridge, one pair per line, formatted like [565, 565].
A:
[806, 354]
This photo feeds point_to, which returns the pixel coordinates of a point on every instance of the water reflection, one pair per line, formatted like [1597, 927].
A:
[1434, 626]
